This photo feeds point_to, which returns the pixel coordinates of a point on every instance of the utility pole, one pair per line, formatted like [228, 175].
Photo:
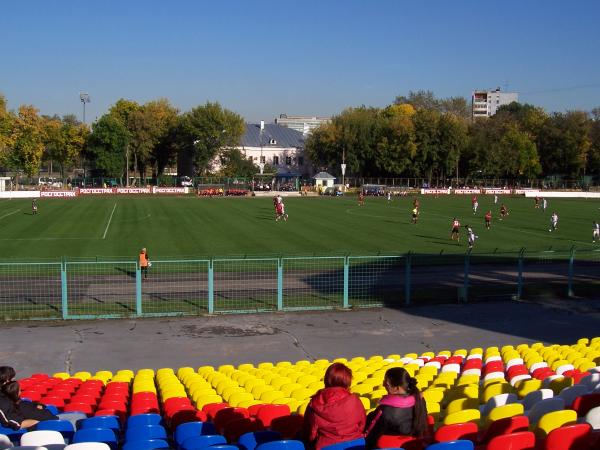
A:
[84, 97]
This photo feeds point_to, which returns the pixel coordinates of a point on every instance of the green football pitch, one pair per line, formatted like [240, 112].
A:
[91, 227]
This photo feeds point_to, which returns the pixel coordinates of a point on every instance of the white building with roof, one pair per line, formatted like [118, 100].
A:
[486, 103]
[303, 124]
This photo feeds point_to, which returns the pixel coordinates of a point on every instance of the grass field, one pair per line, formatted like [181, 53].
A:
[205, 227]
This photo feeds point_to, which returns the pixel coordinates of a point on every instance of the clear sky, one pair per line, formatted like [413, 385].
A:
[306, 57]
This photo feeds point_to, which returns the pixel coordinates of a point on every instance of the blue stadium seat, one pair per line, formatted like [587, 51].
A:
[111, 422]
[452, 445]
[65, 428]
[105, 435]
[189, 429]
[145, 419]
[290, 444]
[202, 442]
[145, 433]
[13, 435]
[224, 447]
[249, 441]
[150, 444]
[53, 409]
[355, 444]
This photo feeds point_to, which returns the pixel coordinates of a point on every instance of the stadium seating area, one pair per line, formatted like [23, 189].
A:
[521, 397]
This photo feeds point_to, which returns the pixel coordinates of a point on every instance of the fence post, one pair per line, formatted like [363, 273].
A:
[407, 273]
[571, 264]
[211, 288]
[63, 290]
[138, 289]
[346, 280]
[466, 280]
[520, 274]
[279, 284]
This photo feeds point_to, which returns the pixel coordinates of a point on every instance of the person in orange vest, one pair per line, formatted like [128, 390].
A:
[144, 262]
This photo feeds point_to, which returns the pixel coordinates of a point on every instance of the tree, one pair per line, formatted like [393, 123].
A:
[453, 139]
[107, 145]
[564, 143]
[427, 158]
[6, 135]
[203, 131]
[235, 164]
[65, 141]
[27, 141]
[419, 100]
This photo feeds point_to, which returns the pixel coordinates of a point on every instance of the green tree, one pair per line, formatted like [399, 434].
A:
[107, 145]
[6, 135]
[65, 141]
[27, 141]
[235, 164]
[205, 130]
[453, 139]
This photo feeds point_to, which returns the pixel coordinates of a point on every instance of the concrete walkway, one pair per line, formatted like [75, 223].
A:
[195, 341]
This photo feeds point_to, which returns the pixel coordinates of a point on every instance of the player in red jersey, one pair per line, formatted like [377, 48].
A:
[361, 198]
[503, 211]
[488, 219]
[455, 233]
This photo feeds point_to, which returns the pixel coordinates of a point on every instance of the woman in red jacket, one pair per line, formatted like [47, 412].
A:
[334, 414]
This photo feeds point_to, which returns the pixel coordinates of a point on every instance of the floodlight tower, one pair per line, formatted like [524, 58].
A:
[84, 97]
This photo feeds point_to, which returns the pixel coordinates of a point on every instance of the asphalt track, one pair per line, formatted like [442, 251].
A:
[233, 339]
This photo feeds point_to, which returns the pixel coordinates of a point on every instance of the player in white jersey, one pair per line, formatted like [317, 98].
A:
[544, 204]
[553, 222]
[596, 232]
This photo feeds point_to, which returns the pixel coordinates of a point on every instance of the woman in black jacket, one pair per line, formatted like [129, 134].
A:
[401, 412]
[16, 414]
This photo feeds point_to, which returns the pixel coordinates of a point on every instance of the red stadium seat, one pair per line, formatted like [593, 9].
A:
[569, 437]
[227, 415]
[288, 426]
[267, 413]
[253, 410]
[235, 428]
[457, 431]
[586, 402]
[211, 409]
[79, 407]
[508, 425]
[524, 440]
[404, 442]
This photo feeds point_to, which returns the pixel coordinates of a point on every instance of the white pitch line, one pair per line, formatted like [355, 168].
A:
[109, 220]
[9, 214]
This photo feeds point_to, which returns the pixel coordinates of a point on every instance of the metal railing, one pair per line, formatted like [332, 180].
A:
[111, 288]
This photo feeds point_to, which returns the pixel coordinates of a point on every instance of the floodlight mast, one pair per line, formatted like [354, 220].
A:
[84, 97]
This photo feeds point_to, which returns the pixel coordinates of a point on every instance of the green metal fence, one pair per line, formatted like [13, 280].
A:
[105, 288]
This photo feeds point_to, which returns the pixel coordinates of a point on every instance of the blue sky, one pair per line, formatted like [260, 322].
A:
[263, 58]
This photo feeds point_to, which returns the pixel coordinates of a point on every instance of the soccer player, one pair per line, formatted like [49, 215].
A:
[503, 211]
[361, 198]
[470, 236]
[281, 212]
[544, 204]
[553, 222]
[537, 202]
[275, 203]
[475, 205]
[455, 233]
[415, 215]
[389, 196]
[495, 199]
[596, 232]
[416, 203]
[488, 219]
[34, 207]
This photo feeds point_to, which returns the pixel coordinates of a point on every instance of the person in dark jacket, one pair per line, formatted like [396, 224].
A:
[334, 414]
[7, 374]
[16, 414]
[402, 412]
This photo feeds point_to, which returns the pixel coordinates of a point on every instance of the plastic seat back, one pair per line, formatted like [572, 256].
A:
[593, 418]
[452, 445]
[586, 402]
[536, 396]
[505, 426]
[145, 432]
[571, 393]
[42, 438]
[144, 419]
[467, 415]
[64, 427]
[111, 422]
[105, 435]
[189, 429]
[150, 444]
[569, 437]
[553, 420]
[355, 444]
[88, 446]
[5, 442]
[202, 442]
[458, 431]
[405, 442]
[249, 441]
[544, 407]
[290, 444]
[524, 440]
[267, 413]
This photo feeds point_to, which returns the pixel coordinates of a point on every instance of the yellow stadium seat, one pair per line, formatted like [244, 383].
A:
[284, 364]
[200, 402]
[61, 375]
[288, 388]
[239, 397]
[278, 382]
[468, 379]
[553, 420]
[494, 389]
[307, 379]
[249, 403]
[271, 396]
[291, 402]
[246, 367]
[434, 395]
[526, 386]
[83, 376]
[362, 389]
[366, 402]
[509, 410]
[265, 365]
[303, 363]
[301, 394]
[558, 384]
[466, 415]
[461, 404]
[228, 392]
[302, 408]
[465, 391]
[377, 394]
[260, 389]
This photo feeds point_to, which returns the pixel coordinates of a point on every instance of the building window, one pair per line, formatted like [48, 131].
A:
[288, 160]
[255, 158]
[262, 159]
[300, 161]
[276, 160]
